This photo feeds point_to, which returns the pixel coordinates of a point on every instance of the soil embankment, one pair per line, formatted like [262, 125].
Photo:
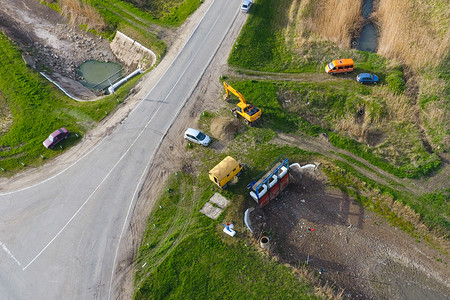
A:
[349, 246]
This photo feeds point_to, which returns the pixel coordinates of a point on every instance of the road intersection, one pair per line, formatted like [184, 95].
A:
[60, 237]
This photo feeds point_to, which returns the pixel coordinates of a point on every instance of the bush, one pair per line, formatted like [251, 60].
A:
[395, 81]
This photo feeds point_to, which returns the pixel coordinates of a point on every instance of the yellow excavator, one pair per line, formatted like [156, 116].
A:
[247, 111]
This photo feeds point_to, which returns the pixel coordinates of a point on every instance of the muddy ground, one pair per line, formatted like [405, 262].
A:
[350, 247]
[359, 252]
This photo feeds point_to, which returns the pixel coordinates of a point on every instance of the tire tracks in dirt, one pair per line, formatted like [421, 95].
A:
[322, 146]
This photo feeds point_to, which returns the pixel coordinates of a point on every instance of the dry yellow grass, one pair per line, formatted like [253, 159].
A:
[438, 118]
[379, 118]
[82, 13]
[399, 107]
[335, 20]
[6, 119]
[417, 32]
[355, 127]
[414, 31]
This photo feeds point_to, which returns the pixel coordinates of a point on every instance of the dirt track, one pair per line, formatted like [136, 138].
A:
[370, 258]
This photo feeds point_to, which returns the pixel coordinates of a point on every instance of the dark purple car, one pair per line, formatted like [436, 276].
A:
[56, 137]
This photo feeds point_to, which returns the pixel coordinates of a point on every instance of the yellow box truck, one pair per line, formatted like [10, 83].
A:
[224, 171]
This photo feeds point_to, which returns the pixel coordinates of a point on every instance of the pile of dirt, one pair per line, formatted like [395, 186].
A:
[224, 128]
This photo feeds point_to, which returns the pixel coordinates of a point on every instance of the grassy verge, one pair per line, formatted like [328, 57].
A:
[38, 108]
[164, 13]
[434, 101]
[299, 36]
[432, 209]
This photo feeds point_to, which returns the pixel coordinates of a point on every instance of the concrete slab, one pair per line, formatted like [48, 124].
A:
[219, 200]
[211, 211]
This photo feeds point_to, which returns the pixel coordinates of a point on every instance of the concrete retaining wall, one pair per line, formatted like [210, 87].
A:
[132, 54]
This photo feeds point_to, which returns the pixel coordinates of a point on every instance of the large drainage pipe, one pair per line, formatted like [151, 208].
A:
[113, 87]
[265, 242]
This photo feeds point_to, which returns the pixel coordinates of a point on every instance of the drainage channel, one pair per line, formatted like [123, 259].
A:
[368, 38]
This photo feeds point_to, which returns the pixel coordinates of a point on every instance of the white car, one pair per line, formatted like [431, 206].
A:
[198, 137]
[246, 5]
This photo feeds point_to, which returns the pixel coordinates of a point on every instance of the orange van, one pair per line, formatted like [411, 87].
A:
[339, 66]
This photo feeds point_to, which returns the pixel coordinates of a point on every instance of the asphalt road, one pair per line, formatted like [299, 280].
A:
[60, 238]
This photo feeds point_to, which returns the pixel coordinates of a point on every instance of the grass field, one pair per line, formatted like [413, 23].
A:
[37, 109]
[333, 20]
[426, 50]
[268, 42]
[81, 13]
[185, 254]
[378, 135]
[166, 13]
[297, 36]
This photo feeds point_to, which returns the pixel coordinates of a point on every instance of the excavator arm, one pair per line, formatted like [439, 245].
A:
[247, 111]
[229, 88]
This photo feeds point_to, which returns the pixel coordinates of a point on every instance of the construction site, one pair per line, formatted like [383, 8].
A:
[314, 224]
[293, 212]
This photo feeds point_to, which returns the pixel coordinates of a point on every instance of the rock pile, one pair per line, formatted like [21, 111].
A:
[70, 50]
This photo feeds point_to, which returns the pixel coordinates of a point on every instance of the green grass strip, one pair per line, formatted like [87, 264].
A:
[164, 13]
[204, 267]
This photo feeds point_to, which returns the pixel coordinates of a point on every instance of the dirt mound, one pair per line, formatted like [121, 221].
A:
[224, 128]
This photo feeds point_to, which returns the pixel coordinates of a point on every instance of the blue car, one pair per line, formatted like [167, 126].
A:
[367, 78]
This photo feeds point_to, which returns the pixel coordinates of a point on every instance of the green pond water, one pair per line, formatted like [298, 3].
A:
[98, 75]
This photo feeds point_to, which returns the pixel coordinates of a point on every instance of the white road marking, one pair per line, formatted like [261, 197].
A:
[109, 173]
[9, 253]
[92, 194]
[57, 174]
[133, 198]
